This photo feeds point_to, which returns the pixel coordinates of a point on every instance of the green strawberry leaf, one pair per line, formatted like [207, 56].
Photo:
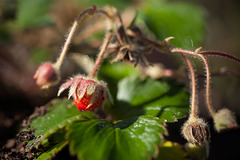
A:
[184, 21]
[165, 99]
[118, 71]
[112, 73]
[135, 138]
[60, 113]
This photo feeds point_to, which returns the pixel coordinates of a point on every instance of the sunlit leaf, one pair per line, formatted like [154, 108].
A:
[59, 113]
[135, 138]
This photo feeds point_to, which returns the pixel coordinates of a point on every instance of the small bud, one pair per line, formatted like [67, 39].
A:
[46, 75]
[224, 119]
[87, 93]
[196, 131]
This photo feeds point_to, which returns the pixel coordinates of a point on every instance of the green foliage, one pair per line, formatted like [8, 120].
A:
[113, 73]
[135, 138]
[60, 113]
[118, 71]
[183, 21]
[164, 99]
[141, 105]
[33, 13]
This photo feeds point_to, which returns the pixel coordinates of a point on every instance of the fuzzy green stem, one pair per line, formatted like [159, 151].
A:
[101, 55]
[193, 98]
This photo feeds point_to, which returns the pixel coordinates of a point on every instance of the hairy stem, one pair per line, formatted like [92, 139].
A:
[101, 55]
[66, 45]
[90, 11]
[193, 98]
[179, 50]
[221, 54]
[210, 108]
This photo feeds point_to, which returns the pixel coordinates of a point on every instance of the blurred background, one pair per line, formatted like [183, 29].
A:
[34, 31]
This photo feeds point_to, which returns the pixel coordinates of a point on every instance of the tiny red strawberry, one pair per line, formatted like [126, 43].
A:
[87, 93]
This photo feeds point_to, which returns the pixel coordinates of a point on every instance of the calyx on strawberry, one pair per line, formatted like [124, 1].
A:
[87, 93]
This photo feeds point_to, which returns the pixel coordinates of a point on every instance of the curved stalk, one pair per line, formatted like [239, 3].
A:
[210, 108]
[179, 50]
[89, 11]
[193, 96]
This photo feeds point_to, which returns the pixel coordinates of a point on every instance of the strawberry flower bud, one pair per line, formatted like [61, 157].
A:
[224, 119]
[46, 75]
[196, 131]
[87, 93]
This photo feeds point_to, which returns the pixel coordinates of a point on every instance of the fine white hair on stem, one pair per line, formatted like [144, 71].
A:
[66, 45]
[193, 87]
[208, 89]
[92, 10]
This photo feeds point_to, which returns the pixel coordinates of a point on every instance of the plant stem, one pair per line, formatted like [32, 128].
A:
[179, 50]
[90, 11]
[221, 54]
[101, 55]
[65, 47]
[210, 108]
[193, 98]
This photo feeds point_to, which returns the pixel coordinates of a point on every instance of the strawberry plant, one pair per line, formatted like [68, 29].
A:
[119, 108]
